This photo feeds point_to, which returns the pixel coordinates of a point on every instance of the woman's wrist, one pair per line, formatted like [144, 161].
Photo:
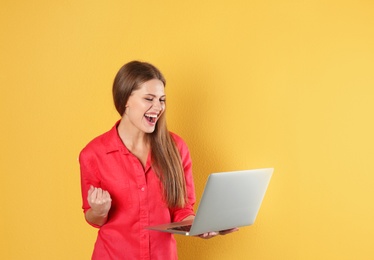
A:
[96, 218]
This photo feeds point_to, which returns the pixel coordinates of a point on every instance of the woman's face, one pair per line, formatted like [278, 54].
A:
[145, 105]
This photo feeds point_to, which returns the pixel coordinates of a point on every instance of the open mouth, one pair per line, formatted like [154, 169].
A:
[151, 118]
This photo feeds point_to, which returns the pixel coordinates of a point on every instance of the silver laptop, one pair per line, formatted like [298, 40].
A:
[230, 199]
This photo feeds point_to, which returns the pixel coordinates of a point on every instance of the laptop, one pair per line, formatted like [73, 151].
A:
[230, 200]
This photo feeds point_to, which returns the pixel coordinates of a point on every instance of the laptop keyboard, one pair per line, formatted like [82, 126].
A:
[182, 228]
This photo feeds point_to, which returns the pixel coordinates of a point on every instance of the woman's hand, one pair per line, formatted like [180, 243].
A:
[213, 234]
[222, 232]
[100, 203]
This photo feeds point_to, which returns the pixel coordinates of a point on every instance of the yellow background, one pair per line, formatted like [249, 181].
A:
[284, 84]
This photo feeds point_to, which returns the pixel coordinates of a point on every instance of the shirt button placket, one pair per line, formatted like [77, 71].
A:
[143, 210]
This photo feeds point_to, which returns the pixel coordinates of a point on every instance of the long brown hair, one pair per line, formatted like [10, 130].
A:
[166, 160]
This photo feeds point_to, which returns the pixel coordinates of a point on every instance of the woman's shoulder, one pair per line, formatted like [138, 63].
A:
[176, 137]
[101, 142]
[179, 141]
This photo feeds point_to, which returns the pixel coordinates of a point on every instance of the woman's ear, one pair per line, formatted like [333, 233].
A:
[126, 109]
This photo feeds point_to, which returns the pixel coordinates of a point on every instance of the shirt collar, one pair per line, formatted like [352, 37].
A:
[114, 142]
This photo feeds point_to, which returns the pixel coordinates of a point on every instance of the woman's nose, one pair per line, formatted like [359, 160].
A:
[158, 105]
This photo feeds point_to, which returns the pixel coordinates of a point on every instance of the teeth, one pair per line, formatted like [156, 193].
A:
[154, 116]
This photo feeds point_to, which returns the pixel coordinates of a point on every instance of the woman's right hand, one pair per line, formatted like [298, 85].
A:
[99, 201]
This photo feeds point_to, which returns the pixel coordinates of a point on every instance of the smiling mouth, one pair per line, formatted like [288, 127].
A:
[151, 118]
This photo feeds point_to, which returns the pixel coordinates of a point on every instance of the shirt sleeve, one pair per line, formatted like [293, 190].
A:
[178, 214]
[89, 176]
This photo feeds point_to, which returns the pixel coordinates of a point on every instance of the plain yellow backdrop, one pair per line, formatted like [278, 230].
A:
[284, 84]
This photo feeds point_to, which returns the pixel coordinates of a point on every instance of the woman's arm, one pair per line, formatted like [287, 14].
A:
[100, 203]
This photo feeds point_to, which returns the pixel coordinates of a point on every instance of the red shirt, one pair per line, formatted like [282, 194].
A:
[137, 200]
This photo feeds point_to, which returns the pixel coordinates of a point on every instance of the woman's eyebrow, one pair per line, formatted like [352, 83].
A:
[154, 95]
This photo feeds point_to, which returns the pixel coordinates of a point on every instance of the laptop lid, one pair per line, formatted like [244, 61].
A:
[230, 199]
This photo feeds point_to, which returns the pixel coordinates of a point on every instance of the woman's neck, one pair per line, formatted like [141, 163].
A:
[133, 138]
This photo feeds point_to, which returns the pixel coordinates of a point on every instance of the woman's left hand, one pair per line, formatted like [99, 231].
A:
[214, 234]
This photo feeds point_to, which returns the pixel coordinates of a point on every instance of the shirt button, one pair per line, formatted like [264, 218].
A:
[142, 189]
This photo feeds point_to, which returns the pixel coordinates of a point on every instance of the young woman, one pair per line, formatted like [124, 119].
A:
[138, 173]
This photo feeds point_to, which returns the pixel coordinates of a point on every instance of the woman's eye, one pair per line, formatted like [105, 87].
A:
[149, 99]
[162, 100]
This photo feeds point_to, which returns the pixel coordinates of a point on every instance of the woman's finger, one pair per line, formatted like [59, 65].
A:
[98, 196]
[106, 196]
[208, 235]
[93, 195]
[228, 231]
